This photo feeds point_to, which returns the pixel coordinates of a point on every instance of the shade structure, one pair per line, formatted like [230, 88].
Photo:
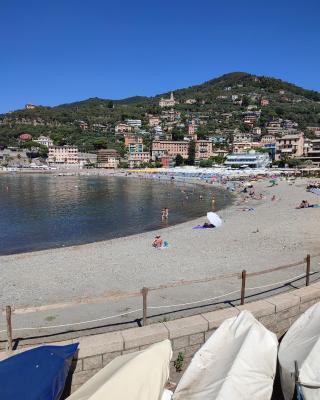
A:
[302, 344]
[238, 362]
[37, 374]
[214, 219]
[135, 376]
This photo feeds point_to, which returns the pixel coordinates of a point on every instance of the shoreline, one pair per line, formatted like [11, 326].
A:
[273, 234]
[186, 183]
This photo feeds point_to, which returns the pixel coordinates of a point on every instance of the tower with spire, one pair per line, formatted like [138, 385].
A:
[171, 102]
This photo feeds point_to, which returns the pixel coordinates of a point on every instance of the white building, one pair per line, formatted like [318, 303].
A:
[191, 101]
[63, 154]
[44, 141]
[251, 159]
[135, 123]
[87, 158]
[121, 127]
[154, 120]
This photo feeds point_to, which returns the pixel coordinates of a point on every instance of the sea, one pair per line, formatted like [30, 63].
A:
[40, 211]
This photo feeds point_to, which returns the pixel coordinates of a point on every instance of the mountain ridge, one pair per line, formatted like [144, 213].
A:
[225, 79]
[229, 94]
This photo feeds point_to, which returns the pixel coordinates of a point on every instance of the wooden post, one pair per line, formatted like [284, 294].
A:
[144, 292]
[243, 286]
[308, 270]
[9, 327]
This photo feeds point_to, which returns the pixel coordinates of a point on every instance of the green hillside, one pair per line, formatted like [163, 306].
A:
[213, 101]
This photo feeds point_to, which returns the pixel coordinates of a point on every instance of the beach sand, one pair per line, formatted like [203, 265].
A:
[275, 233]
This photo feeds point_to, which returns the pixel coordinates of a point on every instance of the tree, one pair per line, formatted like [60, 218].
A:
[245, 101]
[205, 163]
[218, 159]
[262, 150]
[244, 127]
[179, 160]
[123, 164]
[202, 133]
[177, 134]
[100, 143]
[191, 152]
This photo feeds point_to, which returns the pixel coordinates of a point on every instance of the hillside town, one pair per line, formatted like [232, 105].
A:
[174, 137]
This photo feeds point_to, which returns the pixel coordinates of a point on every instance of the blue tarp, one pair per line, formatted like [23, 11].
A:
[37, 374]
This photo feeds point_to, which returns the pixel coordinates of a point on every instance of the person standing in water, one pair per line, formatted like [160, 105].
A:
[166, 213]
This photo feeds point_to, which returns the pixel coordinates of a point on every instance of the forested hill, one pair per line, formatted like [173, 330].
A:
[213, 98]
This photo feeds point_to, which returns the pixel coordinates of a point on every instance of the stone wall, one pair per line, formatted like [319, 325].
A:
[276, 313]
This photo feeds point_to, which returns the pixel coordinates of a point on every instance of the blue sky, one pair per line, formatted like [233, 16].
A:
[59, 51]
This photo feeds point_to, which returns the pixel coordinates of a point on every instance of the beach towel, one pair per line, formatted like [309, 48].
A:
[315, 191]
[203, 227]
[164, 246]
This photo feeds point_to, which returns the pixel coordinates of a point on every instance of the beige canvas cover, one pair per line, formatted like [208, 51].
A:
[135, 376]
[238, 362]
[302, 344]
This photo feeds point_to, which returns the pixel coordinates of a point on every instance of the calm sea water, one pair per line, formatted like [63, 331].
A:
[44, 211]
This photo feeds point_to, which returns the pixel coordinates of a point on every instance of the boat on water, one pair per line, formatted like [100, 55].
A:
[301, 346]
[36, 374]
[136, 376]
[238, 362]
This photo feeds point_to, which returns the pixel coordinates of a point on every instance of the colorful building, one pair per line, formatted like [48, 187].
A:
[63, 155]
[108, 158]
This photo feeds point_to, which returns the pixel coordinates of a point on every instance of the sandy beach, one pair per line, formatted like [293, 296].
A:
[272, 234]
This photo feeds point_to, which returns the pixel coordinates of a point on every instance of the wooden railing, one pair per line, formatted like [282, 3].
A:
[243, 276]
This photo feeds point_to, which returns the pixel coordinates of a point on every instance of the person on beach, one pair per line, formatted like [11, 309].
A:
[166, 213]
[207, 225]
[157, 243]
[304, 204]
[163, 214]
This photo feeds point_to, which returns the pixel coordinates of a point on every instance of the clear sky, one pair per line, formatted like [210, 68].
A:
[58, 51]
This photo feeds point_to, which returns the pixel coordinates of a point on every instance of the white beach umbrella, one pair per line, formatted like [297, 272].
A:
[214, 219]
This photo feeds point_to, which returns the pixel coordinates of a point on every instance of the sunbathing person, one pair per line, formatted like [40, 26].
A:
[304, 204]
[207, 225]
[157, 242]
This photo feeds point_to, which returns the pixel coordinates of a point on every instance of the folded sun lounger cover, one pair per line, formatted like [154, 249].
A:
[37, 374]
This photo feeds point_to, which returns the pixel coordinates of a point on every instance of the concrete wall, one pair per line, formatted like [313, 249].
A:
[276, 313]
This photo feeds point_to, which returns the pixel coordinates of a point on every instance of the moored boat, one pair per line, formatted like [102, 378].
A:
[136, 376]
[301, 346]
[237, 362]
[38, 373]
